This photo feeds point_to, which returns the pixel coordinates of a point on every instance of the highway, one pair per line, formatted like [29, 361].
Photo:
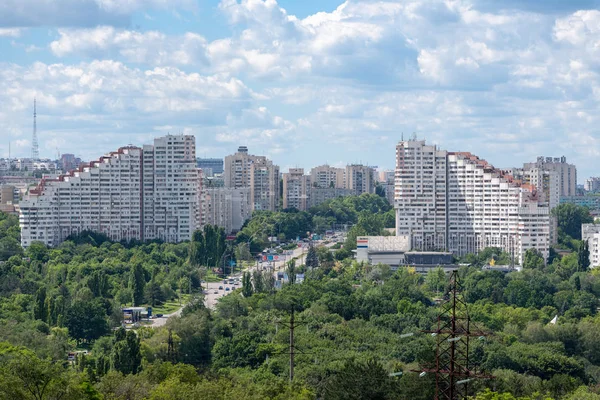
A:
[213, 293]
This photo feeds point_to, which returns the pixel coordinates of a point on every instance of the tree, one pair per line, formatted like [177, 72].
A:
[154, 294]
[361, 381]
[137, 283]
[583, 256]
[533, 259]
[436, 279]
[242, 252]
[247, 285]
[40, 310]
[291, 271]
[312, 259]
[126, 356]
[86, 321]
[570, 217]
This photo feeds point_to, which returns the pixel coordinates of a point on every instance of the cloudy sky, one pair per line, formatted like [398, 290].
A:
[305, 82]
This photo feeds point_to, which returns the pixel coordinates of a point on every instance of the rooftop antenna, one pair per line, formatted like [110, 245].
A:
[35, 152]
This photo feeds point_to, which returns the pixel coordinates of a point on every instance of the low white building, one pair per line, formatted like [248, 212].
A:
[591, 233]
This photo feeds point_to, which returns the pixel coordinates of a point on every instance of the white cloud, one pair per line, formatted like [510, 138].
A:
[10, 32]
[153, 48]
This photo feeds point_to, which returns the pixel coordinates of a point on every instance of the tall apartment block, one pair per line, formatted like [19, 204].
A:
[296, 189]
[567, 173]
[264, 185]
[456, 202]
[133, 193]
[360, 179]
[242, 170]
[325, 176]
[228, 208]
[592, 185]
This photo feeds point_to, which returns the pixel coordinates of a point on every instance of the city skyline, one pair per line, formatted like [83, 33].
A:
[303, 83]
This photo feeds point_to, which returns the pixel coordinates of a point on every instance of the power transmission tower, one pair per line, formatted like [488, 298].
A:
[35, 153]
[453, 370]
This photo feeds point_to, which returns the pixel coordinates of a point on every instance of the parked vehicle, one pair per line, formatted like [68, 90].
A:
[227, 289]
[220, 287]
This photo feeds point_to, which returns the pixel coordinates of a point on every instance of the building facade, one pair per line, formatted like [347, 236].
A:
[326, 176]
[592, 185]
[130, 194]
[454, 201]
[296, 189]
[567, 173]
[321, 195]
[591, 234]
[360, 179]
[228, 208]
[264, 185]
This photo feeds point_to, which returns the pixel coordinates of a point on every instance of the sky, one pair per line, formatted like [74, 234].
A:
[304, 82]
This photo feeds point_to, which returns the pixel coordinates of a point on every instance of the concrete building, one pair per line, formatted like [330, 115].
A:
[567, 172]
[591, 233]
[592, 185]
[210, 166]
[133, 193]
[243, 170]
[9, 194]
[454, 201]
[69, 162]
[360, 179]
[296, 189]
[236, 170]
[386, 180]
[325, 176]
[321, 195]
[264, 185]
[228, 208]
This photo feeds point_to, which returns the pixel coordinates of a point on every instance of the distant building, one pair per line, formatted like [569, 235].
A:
[296, 189]
[228, 208]
[210, 166]
[592, 185]
[69, 162]
[591, 233]
[243, 170]
[325, 176]
[264, 185]
[133, 193]
[457, 202]
[321, 195]
[360, 179]
[567, 172]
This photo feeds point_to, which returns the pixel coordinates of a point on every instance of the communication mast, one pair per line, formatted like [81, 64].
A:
[453, 370]
[35, 153]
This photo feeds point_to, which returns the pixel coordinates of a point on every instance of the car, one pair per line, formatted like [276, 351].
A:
[236, 283]
[220, 287]
[159, 315]
[227, 289]
[225, 281]
[216, 292]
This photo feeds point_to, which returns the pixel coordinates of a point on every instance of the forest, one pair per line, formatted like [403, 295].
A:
[355, 324]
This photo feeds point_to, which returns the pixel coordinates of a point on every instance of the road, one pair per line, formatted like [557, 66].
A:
[213, 293]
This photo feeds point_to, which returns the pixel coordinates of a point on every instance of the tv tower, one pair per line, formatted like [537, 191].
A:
[35, 152]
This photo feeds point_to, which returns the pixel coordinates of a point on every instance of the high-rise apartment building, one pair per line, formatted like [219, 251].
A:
[457, 202]
[591, 234]
[325, 176]
[592, 185]
[264, 185]
[296, 189]
[133, 193]
[567, 173]
[360, 179]
[243, 170]
[228, 208]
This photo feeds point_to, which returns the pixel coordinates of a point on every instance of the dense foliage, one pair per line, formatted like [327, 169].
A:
[353, 322]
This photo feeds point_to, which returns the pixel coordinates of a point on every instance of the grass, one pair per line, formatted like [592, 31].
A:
[171, 306]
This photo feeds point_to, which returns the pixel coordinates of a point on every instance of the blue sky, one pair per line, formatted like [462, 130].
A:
[304, 82]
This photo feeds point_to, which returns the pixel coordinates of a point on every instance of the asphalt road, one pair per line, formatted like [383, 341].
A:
[213, 293]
